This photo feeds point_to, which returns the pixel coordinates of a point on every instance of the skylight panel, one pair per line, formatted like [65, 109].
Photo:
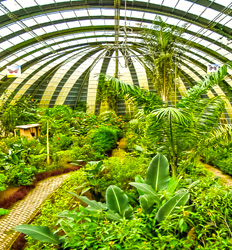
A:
[37, 54]
[99, 22]
[39, 32]
[82, 12]
[74, 24]
[210, 14]
[43, 2]
[42, 19]
[172, 21]
[68, 14]
[28, 3]
[224, 2]
[29, 22]
[156, 1]
[16, 40]
[224, 19]
[5, 31]
[45, 51]
[107, 12]
[71, 43]
[229, 24]
[108, 22]
[138, 14]
[55, 47]
[62, 1]
[183, 5]
[169, 3]
[149, 16]
[194, 28]
[26, 36]
[11, 5]
[61, 26]
[50, 28]
[86, 22]
[5, 45]
[94, 12]
[28, 58]
[54, 16]
[197, 9]
[1, 13]
[14, 27]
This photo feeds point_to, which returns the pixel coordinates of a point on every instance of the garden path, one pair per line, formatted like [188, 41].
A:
[24, 211]
[226, 178]
[120, 150]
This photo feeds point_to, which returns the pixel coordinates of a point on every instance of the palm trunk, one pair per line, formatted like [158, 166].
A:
[48, 157]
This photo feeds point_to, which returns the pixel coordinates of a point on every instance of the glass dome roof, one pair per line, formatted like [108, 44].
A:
[63, 45]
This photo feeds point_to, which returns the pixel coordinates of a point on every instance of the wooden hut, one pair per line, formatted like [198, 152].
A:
[30, 131]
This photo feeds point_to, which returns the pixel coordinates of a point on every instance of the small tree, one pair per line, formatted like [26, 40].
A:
[161, 43]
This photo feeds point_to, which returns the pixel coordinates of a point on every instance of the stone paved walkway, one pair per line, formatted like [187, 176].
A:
[227, 179]
[24, 211]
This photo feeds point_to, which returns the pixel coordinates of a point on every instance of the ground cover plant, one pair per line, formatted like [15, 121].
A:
[193, 223]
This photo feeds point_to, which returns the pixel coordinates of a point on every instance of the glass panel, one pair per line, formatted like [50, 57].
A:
[27, 3]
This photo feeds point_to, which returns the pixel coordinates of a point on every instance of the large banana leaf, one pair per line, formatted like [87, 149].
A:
[113, 216]
[116, 199]
[146, 202]
[144, 188]
[169, 207]
[39, 233]
[158, 173]
[92, 203]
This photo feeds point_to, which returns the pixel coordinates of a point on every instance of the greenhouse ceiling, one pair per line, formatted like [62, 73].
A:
[63, 45]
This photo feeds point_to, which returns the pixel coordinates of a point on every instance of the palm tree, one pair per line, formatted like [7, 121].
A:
[187, 127]
[163, 55]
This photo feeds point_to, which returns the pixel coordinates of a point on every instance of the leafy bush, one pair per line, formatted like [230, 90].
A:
[3, 180]
[62, 142]
[104, 139]
[64, 157]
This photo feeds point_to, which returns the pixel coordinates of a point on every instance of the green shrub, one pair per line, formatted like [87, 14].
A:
[3, 180]
[62, 142]
[104, 139]
[64, 157]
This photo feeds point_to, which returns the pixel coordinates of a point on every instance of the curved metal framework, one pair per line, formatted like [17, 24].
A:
[63, 45]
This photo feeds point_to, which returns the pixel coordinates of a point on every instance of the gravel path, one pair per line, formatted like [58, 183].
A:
[226, 178]
[24, 211]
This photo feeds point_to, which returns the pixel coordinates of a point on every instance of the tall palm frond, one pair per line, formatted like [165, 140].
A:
[207, 113]
[140, 96]
[195, 93]
[222, 134]
[172, 115]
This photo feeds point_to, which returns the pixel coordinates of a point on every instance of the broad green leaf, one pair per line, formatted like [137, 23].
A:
[146, 189]
[146, 202]
[39, 233]
[173, 183]
[158, 173]
[128, 212]
[193, 184]
[169, 207]
[139, 179]
[113, 216]
[116, 199]
[94, 204]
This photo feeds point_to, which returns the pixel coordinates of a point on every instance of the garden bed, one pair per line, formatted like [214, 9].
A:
[12, 197]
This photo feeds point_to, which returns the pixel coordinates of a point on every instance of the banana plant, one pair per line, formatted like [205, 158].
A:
[158, 186]
[116, 207]
[157, 179]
